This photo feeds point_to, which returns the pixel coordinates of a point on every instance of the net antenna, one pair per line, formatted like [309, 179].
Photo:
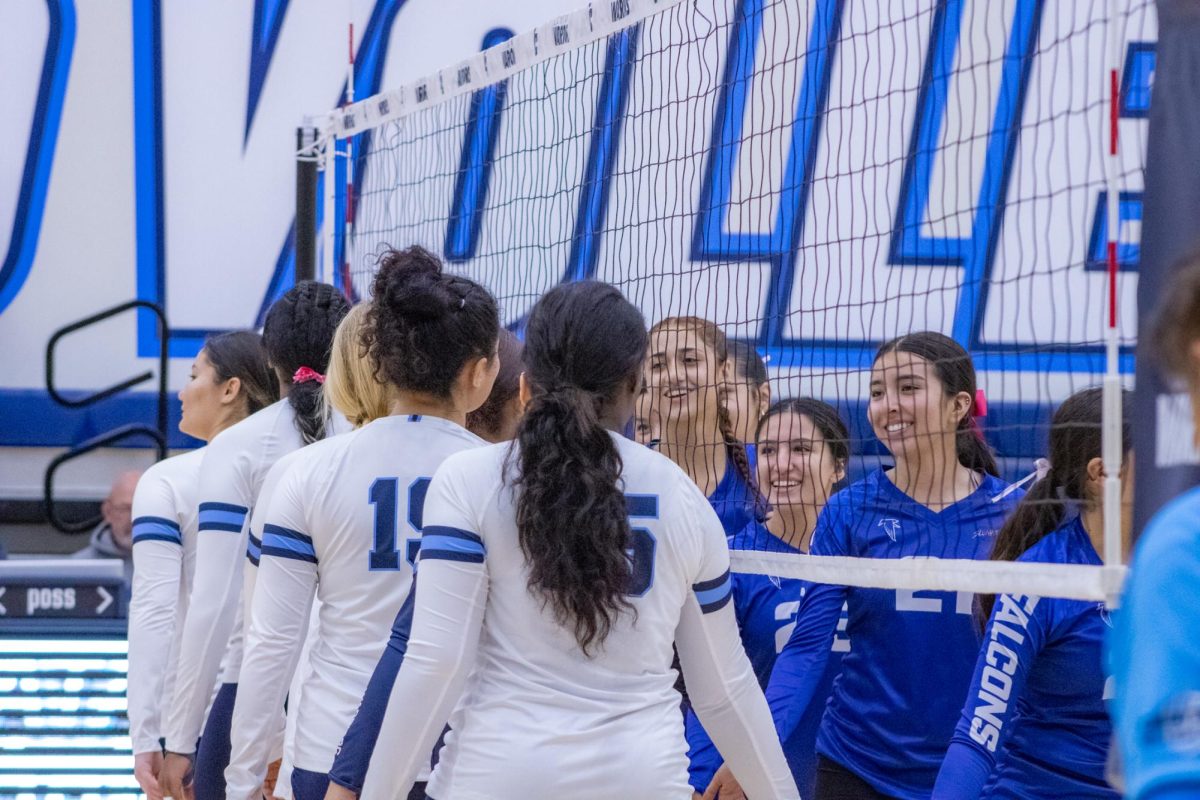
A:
[1114, 569]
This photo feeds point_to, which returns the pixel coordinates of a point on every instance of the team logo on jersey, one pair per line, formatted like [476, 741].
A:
[985, 533]
[891, 526]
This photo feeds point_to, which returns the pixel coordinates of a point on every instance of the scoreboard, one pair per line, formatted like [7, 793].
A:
[63, 677]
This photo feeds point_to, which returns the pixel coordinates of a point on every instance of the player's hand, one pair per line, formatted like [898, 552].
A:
[338, 792]
[272, 777]
[146, 767]
[175, 778]
[724, 786]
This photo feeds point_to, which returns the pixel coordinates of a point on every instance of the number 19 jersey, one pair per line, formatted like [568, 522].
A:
[538, 718]
[343, 522]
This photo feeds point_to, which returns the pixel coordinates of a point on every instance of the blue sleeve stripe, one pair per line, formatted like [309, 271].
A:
[714, 594]
[450, 555]
[254, 549]
[230, 507]
[287, 543]
[222, 517]
[156, 528]
[448, 543]
[447, 532]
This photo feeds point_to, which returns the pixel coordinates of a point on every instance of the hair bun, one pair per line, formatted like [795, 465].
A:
[411, 283]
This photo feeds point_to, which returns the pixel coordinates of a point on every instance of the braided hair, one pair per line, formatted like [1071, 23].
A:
[298, 332]
[714, 339]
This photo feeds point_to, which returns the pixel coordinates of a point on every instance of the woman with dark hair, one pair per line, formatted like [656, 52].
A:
[297, 336]
[803, 450]
[496, 420]
[229, 381]
[1034, 723]
[894, 706]
[343, 521]
[747, 391]
[557, 571]
[687, 372]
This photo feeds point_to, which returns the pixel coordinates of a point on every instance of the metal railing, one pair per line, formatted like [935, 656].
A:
[156, 433]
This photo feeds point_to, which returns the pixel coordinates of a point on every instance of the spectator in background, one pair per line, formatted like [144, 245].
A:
[1154, 653]
[113, 537]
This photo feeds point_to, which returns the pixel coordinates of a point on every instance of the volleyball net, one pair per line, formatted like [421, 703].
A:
[814, 177]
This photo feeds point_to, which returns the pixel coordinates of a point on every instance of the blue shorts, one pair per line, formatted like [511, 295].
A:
[308, 785]
[212, 756]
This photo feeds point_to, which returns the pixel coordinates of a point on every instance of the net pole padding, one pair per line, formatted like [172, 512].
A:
[307, 166]
[1111, 439]
[328, 151]
[1070, 581]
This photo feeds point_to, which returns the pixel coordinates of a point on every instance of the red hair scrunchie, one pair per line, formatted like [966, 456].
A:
[305, 374]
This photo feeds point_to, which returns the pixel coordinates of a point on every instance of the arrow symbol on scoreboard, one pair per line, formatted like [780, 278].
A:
[105, 599]
[3, 610]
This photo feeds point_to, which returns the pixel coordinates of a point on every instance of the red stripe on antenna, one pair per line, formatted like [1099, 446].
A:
[1114, 112]
[1112, 283]
[351, 43]
[350, 204]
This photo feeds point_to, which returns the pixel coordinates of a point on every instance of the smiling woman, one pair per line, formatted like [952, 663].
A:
[803, 447]
[687, 372]
[889, 719]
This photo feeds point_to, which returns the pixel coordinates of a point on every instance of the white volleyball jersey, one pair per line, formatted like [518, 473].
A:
[538, 718]
[235, 464]
[164, 551]
[344, 523]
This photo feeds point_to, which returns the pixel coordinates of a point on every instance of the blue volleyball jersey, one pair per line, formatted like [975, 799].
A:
[766, 609]
[1034, 719]
[733, 499]
[1154, 653]
[897, 699]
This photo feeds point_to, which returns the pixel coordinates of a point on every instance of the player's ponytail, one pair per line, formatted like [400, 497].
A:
[956, 372]
[1075, 439]
[298, 335]
[584, 346]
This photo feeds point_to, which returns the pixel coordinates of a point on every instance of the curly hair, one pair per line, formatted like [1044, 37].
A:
[424, 324]
[584, 344]
[298, 332]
